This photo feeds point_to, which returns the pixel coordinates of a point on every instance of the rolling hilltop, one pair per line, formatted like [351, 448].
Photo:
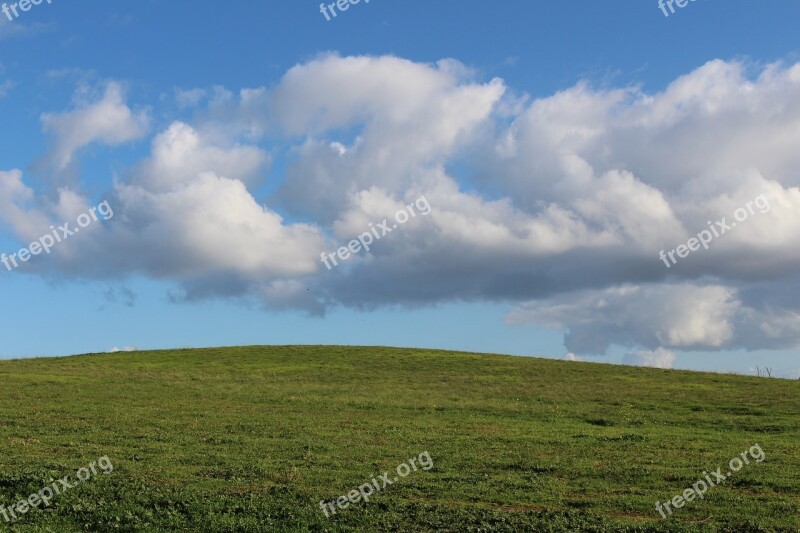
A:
[253, 438]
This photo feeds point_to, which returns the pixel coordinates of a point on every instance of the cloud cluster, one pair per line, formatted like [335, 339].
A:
[558, 205]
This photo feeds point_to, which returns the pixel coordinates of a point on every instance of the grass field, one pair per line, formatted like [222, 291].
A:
[252, 438]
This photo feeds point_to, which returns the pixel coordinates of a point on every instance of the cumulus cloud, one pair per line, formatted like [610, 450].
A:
[659, 358]
[181, 153]
[682, 316]
[558, 205]
[108, 120]
[184, 214]
[671, 315]
[410, 118]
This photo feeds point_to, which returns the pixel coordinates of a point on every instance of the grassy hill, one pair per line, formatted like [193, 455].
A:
[253, 438]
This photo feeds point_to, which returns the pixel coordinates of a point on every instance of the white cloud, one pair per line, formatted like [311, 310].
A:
[183, 214]
[410, 117]
[181, 153]
[209, 225]
[123, 349]
[659, 358]
[670, 315]
[189, 97]
[108, 120]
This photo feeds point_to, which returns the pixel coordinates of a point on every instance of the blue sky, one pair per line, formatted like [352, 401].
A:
[309, 118]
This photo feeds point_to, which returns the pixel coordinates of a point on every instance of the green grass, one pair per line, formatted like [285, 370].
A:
[252, 438]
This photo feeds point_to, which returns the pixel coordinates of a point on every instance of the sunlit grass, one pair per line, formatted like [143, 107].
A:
[252, 438]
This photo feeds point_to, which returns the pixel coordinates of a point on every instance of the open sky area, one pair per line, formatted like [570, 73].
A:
[599, 181]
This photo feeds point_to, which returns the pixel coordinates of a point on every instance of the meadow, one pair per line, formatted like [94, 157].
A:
[253, 438]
